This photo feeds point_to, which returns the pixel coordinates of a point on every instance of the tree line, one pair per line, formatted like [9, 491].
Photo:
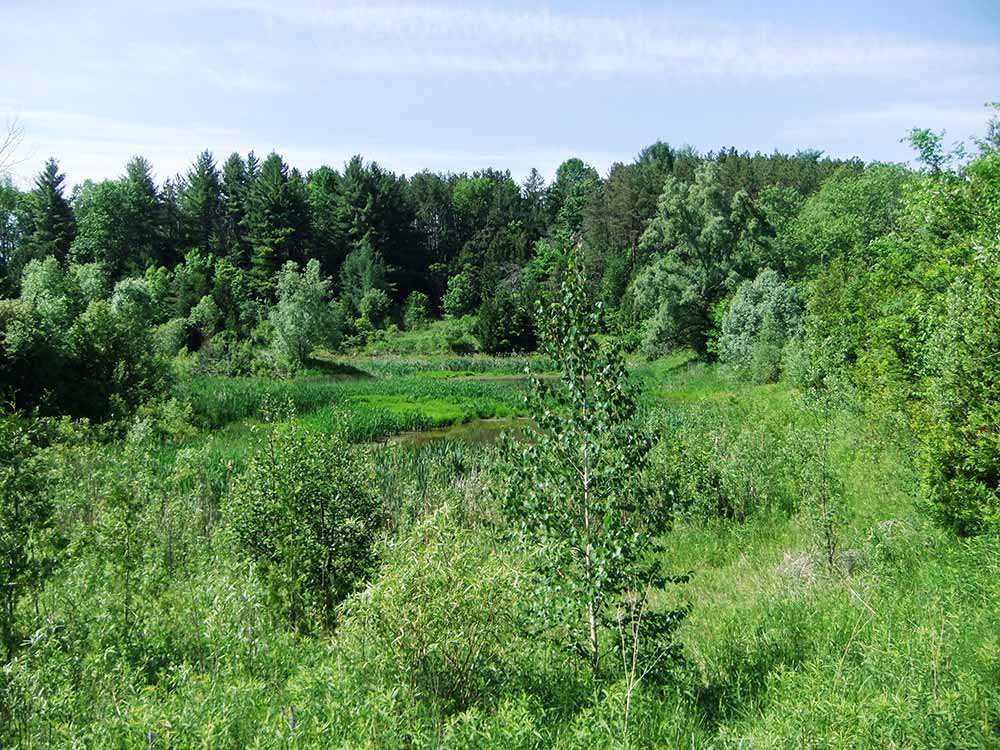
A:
[872, 278]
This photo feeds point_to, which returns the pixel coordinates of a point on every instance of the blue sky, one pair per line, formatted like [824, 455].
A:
[459, 86]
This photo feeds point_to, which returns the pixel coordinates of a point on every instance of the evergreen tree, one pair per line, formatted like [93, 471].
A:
[142, 211]
[52, 217]
[371, 206]
[276, 221]
[200, 206]
[326, 243]
[235, 192]
[170, 226]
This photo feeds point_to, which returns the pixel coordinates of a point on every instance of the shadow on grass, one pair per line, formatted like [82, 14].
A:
[336, 370]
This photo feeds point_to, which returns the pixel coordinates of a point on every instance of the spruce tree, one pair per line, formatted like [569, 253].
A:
[276, 221]
[201, 205]
[142, 211]
[235, 188]
[54, 225]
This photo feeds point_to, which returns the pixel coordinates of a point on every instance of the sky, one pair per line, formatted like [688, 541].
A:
[461, 86]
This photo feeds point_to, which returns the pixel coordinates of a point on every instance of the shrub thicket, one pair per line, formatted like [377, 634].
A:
[304, 510]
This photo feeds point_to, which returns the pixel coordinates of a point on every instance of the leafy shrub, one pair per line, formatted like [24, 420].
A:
[961, 457]
[304, 510]
[132, 298]
[763, 315]
[445, 615]
[374, 308]
[459, 336]
[303, 317]
[416, 311]
[25, 522]
[172, 336]
[461, 297]
[115, 367]
[206, 316]
[713, 466]
[504, 324]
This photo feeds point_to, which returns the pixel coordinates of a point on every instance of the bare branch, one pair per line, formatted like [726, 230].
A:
[10, 142]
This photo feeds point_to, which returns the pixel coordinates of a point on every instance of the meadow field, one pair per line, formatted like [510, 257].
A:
[854, 625]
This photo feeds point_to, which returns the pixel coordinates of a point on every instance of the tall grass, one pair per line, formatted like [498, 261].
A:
[413, 402]
[898, 647]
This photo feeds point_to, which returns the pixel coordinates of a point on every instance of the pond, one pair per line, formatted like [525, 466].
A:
[476, 431]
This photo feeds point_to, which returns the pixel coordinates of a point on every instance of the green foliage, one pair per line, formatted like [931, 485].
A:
[302, 318]
[91, 359]
[191, 282]
[26, 523]
[113, 365]
[374, 308]
[170, 337]
[579, 490]
[762, 316]
[363, 270]
[305, 512]
[206, 316]
[445, 616]
[691, 238]
[504, 324]
[53, 225]
[961, 437]
[416, 311]
[461, 297]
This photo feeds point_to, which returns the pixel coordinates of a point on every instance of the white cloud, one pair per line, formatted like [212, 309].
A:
[410, 38]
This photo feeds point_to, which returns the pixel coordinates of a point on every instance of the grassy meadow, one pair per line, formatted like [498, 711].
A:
[863, 627]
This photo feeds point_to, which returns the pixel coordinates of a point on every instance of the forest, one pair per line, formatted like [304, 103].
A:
[700, 452]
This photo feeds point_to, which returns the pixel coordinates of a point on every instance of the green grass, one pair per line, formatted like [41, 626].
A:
[898, 647]
[221, 401]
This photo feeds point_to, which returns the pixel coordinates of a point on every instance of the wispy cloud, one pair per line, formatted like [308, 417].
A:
[409, 38]
[454, 86]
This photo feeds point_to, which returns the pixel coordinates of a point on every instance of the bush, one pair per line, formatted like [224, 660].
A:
[374, 308]
[504, 325]
[25, 523]
[114, 365]
[461, 297]
[172, 336]
[206, 316]
[133, 299]
[303, 318]
[961, 457]
[444, 617]
[459, 336]
[762, 316]
[305, 512]
[712, 466]
[416, 311]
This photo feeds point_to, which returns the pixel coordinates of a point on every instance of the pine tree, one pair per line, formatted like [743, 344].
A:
[170, 229]
[54, 224]
[142, 211]
[235, 189]
[276, 221]
[201, 205]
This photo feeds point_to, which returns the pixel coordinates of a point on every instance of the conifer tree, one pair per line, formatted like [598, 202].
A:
[142, 211]
[276, 221]
[200, 205]
[235, 189]
[54, 225]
